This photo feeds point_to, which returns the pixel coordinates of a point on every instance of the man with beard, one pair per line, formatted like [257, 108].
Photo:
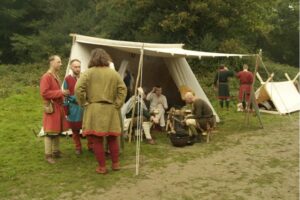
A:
[74, 111]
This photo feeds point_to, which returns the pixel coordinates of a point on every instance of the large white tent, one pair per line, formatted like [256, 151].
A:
[164, 64]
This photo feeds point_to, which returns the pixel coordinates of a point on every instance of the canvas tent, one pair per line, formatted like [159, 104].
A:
[283, 95]
[164, 64]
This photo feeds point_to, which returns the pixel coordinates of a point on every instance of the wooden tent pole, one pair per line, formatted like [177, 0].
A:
[252, 98]
[135, 91]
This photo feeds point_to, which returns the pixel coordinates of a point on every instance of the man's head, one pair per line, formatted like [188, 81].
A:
[158, 90]
[245, 67]
[55, 62]
[75, 66]
[99, 58]
[189, 97]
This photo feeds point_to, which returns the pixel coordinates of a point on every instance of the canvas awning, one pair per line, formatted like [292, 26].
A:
[152, 49]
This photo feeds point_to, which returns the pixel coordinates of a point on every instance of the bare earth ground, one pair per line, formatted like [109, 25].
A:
[260, 165]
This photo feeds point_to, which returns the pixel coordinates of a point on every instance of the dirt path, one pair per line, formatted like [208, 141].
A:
[263, 165]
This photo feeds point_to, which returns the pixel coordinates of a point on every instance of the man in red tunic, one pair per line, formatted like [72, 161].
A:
[74, 111]
[246, 80]
[53, 123]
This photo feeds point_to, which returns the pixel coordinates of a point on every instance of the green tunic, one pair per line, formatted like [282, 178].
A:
[102, 93]
[203, 113]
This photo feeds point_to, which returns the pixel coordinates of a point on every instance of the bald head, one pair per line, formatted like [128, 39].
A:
[189, 97]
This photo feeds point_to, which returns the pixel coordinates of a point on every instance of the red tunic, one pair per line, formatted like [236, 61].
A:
[246, 80]
[50, 90]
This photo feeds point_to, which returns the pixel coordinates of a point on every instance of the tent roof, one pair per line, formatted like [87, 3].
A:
[152, 49]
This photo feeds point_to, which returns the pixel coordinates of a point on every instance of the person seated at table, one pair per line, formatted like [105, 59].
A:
[158, 105]
[126, 112]
[201, 114]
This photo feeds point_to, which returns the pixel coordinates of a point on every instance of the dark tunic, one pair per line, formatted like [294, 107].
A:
[246, 80]
[203, 113]
[221, 82]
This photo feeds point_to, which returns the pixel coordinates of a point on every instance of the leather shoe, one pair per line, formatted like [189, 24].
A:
[116, 166]
[49, 159]
[101, 170]
[150, 141]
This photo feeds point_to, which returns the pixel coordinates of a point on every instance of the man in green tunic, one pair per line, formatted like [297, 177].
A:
[102, 93]
[202, 114]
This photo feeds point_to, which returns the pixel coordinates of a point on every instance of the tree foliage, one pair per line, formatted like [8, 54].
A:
[32, 29]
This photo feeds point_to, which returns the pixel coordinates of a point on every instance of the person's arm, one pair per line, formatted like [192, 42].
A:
[165, 103]
[149, 96]
[216, 79]
[80, 89]
[121, 93]
[45, 90]
[197, 110]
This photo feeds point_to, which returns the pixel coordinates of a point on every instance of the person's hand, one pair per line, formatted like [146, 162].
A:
[153, 89]
[66, 92]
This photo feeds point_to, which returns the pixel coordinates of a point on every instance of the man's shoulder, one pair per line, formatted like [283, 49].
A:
[47, 75]
[68, 77]
[199, 101]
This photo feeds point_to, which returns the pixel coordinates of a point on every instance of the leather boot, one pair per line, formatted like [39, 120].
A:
[116, 166]
[49, 159]
[57, 154]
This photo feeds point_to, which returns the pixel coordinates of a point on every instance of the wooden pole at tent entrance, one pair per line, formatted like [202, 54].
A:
[135, 91]
[252, 97]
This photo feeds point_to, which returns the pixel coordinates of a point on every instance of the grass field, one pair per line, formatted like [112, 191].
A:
[25, 175]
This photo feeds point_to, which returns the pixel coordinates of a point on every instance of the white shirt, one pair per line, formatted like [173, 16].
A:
[155, 101]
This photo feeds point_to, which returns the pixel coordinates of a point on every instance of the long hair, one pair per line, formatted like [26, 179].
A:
[99, 58]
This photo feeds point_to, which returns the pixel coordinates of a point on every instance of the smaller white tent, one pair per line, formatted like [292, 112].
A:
[164, 64]
[283, 95]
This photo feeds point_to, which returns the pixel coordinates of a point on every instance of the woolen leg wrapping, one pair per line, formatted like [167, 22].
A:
[98, 150]
[113, 148]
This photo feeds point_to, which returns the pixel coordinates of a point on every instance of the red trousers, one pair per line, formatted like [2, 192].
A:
[99, 149]
[77, 142]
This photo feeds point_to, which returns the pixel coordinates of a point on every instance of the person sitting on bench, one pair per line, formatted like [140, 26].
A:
[202, 114]
[126, 112]
[158, 105]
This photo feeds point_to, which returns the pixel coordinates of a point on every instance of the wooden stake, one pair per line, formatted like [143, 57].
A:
[135, 91]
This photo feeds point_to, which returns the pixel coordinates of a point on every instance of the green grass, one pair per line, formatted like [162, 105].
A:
[25, 175]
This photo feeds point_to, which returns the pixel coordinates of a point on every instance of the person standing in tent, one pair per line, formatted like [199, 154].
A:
[102, 92]
[74, 111]
[54, 121]
[128, 80]
[221, 84]
[158, 105]
[246, 80]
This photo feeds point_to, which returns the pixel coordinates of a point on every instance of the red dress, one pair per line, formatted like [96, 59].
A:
[50, 90]
[246, 80]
